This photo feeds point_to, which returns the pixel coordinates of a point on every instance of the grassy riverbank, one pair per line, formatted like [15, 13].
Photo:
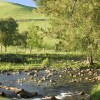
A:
[4, 98]
[50, 60]
[54, 60]
[96, 92]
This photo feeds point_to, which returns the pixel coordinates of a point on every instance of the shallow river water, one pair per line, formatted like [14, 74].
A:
[51, 83]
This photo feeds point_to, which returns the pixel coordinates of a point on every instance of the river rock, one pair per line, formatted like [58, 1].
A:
[53, 98]
[30, 73]
[67, 97]
[26, 94]
[0, 83]
[16, 92]
[50, 98]
[8, 94]
[81, 93]
[87, 97]
[2, 94]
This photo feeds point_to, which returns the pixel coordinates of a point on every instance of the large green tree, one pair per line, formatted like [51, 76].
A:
[75, 22]
[8, 29]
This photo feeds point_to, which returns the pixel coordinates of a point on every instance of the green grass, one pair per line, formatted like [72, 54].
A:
[30, 61]
[96, 92]
[17, 11]
[53, 56]
[23, 26]
[1, 98]
[50, 50]
[38, 59]
[16, 67]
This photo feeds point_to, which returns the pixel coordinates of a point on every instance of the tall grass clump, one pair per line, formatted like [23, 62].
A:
[95, 94]
[45, 63]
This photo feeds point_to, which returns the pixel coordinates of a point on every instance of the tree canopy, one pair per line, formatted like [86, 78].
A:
[34, 37]
[75, 23]
[8, 29]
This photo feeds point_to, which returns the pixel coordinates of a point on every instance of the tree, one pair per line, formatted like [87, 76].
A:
[75, 22]
[8, 29]
[34, 37]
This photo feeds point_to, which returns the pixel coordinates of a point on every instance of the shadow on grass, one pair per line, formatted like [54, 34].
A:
[20, 58]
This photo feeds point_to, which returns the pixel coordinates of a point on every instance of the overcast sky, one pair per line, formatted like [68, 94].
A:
[24, 2]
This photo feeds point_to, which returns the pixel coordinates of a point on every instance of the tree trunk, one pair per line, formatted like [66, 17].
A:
[90, 60]
[25, 48]
[30, 50]
[43, 50]
[16, 49]
[1, 48]
[5, 48]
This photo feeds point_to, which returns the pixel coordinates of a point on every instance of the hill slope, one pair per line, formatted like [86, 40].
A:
[20, 13]
[17, 11]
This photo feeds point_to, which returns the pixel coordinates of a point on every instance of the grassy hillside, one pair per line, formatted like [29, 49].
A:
[17, 11]
[21, 12]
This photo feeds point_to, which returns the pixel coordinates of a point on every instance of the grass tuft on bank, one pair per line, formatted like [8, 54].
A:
[95, 94]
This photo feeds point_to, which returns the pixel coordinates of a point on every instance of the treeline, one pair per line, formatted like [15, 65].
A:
[9, 35]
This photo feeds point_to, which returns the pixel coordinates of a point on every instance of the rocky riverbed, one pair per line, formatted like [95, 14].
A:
[62, 84]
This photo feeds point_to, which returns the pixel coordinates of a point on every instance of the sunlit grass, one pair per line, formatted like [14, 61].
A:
[15, 66]
[24, 26]
[96, 92]
[34, 60]
[1, 98]
[22, 50]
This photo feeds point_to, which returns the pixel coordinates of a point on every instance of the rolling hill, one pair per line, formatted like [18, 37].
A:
[24, 15]
[17, 11]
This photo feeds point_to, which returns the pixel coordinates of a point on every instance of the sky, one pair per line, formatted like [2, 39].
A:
[24, 2]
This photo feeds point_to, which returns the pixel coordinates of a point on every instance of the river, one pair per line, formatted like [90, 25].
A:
[51, 82]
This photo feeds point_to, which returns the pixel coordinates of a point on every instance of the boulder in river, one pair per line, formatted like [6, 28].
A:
[26, 94]
[8, 94]
[13, 92]
[50, 98]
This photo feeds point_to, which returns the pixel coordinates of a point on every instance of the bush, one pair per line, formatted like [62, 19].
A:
[45, 63]
[95, 94]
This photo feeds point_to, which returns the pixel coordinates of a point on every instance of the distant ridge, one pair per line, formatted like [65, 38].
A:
[21, 5]
[24, 15]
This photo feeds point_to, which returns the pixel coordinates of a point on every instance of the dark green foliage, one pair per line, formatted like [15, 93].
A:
[8, 26]
[8, 30]
[75, 23]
